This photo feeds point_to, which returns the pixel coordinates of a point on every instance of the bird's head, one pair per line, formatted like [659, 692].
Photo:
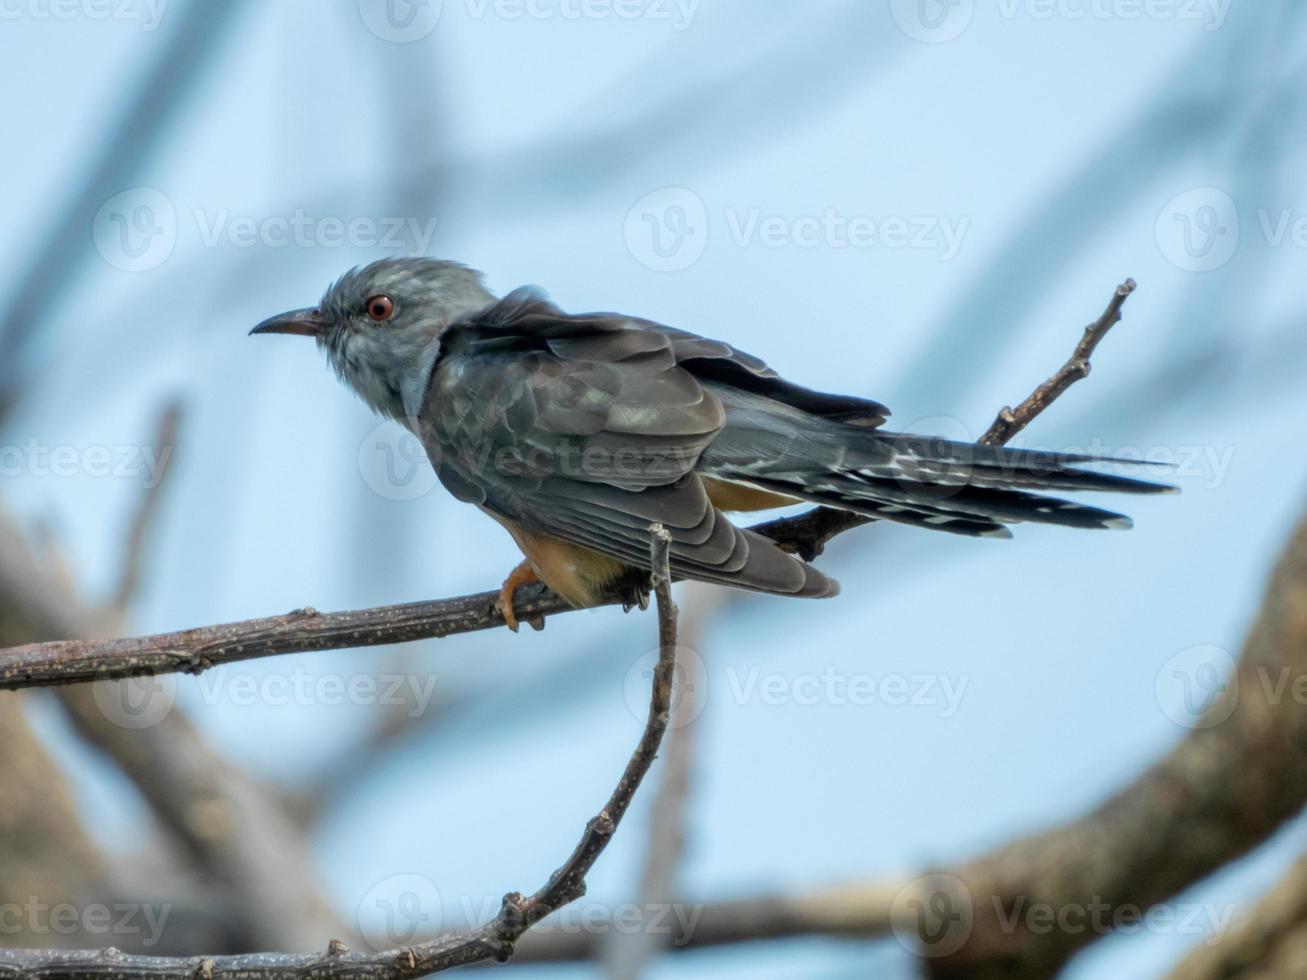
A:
[380, 325]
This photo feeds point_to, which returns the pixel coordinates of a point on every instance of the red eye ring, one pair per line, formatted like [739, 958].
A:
[380, 308]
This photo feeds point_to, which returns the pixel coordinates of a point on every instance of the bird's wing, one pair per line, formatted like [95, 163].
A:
[589, 428]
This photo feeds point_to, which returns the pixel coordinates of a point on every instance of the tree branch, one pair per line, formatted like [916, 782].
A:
[629, 952]
[1236, 777]
[808, 534]
[306, 630]
[1270, 943]
[147, 511]
[493, 941]
[1012, 421]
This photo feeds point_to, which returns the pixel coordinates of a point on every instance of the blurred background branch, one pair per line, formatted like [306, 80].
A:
[532, 140]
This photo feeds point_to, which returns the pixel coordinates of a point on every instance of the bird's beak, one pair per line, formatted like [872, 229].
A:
[307, 323]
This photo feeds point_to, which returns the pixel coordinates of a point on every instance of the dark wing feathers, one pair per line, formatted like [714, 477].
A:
[588, 428]
[592, 427]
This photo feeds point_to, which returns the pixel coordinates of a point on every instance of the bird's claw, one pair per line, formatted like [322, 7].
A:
[635, 593]
[523, 574]
[504, 606]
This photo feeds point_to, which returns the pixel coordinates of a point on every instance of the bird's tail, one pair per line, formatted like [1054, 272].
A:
[962, 488]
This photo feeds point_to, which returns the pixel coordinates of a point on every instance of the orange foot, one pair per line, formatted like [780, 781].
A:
[523, 574]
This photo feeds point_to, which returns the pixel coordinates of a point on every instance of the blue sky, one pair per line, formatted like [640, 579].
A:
[928, 222]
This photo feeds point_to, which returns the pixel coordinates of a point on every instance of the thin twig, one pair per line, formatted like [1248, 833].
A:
[848, 911]
[306, 630]
[493, 941]
[233, 837]
[147, 511]
[1011, 421]
[1270, 942]
[629, 951]
[55, 258]
[808, 534]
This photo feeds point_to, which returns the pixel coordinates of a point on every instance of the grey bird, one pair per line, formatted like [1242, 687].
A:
[577, 431]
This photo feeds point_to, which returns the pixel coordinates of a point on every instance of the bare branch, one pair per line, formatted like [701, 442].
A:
[302, 631]
[808, 534]
[1237, 776]
[493, 941]
[147, 511]
[58, 255]
[629, 951]
[1011, 421]
[853, 911]
[1270, 943]
[232, 834]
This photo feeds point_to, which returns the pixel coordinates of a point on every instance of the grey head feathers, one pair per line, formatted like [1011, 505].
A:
[386, 362]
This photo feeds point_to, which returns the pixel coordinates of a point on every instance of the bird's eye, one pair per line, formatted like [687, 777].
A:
[380, 308]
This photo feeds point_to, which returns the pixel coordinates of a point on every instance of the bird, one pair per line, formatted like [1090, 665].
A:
[577, 432]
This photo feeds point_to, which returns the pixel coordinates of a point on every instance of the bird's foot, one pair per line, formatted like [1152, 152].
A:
[523, 574]
[635, 591]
